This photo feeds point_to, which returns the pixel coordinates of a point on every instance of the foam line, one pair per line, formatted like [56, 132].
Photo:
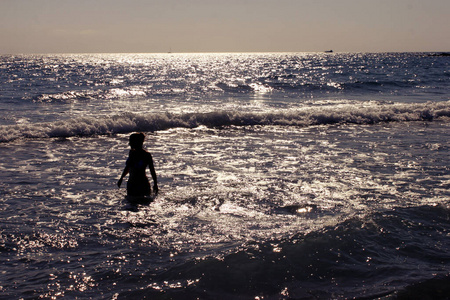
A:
[362, 113]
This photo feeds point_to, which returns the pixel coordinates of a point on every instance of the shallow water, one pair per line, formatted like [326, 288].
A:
[226, 194]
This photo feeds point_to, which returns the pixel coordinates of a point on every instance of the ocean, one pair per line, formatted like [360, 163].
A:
[281, 176]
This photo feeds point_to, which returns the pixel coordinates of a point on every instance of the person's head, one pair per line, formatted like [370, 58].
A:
[137, 140]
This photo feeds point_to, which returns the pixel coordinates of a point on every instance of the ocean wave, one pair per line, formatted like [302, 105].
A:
[89, 95]
[348, 113]
[325, 264]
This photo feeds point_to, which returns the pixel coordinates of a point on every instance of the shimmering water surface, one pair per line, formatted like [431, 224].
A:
[303, 176]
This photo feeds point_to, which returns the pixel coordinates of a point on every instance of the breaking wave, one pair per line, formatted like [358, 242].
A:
[318, 265]
[363, 113]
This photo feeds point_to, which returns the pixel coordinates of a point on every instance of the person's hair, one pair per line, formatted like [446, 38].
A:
[137, 140]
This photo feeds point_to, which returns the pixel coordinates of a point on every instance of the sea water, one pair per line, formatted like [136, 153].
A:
[281, 176]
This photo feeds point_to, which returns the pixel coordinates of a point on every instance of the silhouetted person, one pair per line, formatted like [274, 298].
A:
[137, 162]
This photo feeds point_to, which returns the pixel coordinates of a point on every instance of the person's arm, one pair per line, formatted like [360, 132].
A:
[153, 173]
[124, 173]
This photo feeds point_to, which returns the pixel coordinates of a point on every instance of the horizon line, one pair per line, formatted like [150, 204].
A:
[217, 52]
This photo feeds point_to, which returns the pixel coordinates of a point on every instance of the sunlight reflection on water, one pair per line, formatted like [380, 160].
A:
[219, 190]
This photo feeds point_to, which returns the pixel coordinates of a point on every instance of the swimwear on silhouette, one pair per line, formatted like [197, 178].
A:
[137, 162]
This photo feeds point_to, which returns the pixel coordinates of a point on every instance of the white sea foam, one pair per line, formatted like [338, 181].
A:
[354, 113]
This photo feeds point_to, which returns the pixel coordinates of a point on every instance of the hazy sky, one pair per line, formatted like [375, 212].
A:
[55, 26]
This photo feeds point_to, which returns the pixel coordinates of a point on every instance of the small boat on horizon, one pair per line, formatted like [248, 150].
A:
[329, 51]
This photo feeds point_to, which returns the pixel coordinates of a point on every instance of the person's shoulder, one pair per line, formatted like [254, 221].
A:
[147, 154]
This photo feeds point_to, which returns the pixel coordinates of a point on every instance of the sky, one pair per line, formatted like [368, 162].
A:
[142, 26]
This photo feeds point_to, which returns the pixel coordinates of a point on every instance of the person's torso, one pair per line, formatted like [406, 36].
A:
[138, 161]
